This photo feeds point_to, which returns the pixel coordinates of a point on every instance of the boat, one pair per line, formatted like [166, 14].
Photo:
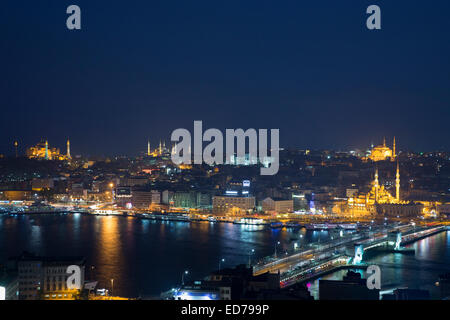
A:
[293, 225]
[212, 219]
[105, 212]
[276, 225]
[350, 226]
[317, 226]
[38, 207]
[250, 221]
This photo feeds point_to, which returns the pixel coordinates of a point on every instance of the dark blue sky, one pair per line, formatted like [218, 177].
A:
[141, 69]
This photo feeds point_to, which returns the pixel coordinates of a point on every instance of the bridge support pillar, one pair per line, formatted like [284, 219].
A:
[359, 251]
[395, 239]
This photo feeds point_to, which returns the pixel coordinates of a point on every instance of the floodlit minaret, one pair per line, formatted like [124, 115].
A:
[376, 185]
[148, 148]
[68, 150]
[397, 184]
[15, 147]
[46, 150]
[160, 147]
[393, 150]
[174, 149]
[384, 142]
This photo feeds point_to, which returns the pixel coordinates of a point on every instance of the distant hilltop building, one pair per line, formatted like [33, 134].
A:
[43, 152]
[382, 152]
[158, 152]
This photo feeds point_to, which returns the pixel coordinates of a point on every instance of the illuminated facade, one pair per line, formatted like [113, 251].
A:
[361, 203]
[233, 205]
[158, 151]
[382, 152]
[43, 152]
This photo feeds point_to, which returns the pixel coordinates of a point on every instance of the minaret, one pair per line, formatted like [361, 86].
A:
[174, 148]
[68, 150]
[384, 142]
[46, 150]
[160, 147]
[376, 185]
[393, 150]
[148, 148]
[397, 184]
[15, 147]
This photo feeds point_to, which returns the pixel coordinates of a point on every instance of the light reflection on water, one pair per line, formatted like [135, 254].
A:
[145, 257]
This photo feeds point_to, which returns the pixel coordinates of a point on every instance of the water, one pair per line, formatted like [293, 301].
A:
[146, 257]
[419, 271]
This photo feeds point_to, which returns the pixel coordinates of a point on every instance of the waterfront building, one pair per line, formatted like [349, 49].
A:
[141, 199]
[184, 199]
[192, 200]
[277, 205]
[167, 197]
[123, 196]
[16, 195]
[411, 210]
[299, 201]
[233, 204]
[45, 277]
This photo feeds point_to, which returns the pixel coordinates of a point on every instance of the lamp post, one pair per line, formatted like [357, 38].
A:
[182, 276]
[249, 258]
[220, 261]
[276, 248]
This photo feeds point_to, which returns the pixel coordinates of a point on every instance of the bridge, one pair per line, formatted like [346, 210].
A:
[319, 259]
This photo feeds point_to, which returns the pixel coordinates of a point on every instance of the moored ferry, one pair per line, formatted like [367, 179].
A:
[293, 225]
[350, 226]
[321, 226]
[250, 221]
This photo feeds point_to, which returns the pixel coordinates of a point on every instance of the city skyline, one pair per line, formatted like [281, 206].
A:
[294, 66]
[17, 148]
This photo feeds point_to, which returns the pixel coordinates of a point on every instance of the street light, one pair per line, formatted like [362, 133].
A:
[276, 248]
[249, 258]
[111, 185]
[182, 276]
[220, 261]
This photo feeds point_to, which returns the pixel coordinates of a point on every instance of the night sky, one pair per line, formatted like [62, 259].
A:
[140, 69]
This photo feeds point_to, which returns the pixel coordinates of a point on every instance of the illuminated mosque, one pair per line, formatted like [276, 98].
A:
[43, 152]
[382, 152]
[379, 201]
[158, 151]
[376, 195]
